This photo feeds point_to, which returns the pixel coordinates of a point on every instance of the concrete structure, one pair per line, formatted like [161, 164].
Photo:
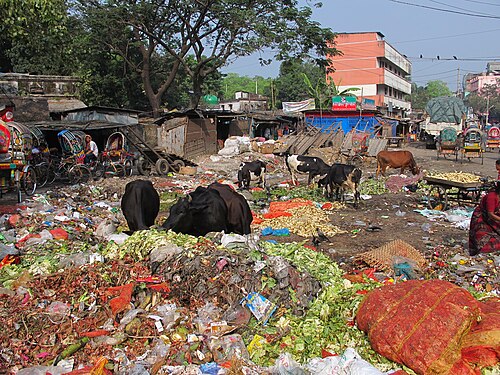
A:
[475, 83]
[39, 97]
[245, 102]
[380, 72]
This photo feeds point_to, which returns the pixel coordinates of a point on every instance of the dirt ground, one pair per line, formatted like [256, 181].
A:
[382, 211]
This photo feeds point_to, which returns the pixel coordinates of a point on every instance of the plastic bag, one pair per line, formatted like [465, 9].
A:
[286, 365]
[260, 306]
[227, 347]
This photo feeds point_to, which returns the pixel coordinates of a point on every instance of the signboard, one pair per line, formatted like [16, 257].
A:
[368, 104]
[344, 103]
[291, 107]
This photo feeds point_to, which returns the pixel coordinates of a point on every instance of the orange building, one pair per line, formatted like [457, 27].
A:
[373, 66]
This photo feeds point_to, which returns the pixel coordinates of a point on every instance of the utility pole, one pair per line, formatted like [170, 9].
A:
[458, 82]
[487, 110]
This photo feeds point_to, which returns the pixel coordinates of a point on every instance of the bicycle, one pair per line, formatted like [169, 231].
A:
[68, 171]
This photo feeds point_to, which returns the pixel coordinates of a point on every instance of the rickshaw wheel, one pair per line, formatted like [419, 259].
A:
[28, 180]
[115, 170]
[177, 165]
[42, 173]
[128, 167]
[144, 167]
[98, 171]
[162, 166]
[78, 173]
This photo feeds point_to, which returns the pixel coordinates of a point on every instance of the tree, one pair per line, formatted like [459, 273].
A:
[290, 84]
[486, 101]
[437, 88]
[233, 83]
[35, 37]
[213, 32]
[323, 92]
[420, 95]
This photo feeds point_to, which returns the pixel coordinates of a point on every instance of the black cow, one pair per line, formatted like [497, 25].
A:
[140, 205]
[312, 165]
[251, 171]
[198, 213]
[239, 215]
[341, 177]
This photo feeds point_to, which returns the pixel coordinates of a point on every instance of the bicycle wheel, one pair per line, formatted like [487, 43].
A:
[78, 174]
[115, 170]
[98, 171]
[28, 180]
[86, 174]
[42, 173]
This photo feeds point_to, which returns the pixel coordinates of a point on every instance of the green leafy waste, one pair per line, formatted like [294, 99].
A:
[328, 323]
[140, 244]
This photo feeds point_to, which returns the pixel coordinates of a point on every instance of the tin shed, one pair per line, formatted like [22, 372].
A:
[187, 136]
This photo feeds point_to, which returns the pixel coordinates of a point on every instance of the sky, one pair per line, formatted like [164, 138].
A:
[413, 30]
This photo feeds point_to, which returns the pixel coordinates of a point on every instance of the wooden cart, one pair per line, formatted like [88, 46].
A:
[443, 191]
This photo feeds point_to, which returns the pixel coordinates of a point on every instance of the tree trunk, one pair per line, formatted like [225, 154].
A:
[197, 92]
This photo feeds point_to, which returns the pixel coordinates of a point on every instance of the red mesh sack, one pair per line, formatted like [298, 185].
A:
[420, 324]
[481, 346]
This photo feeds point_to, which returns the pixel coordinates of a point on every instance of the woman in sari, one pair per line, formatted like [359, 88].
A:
[484, 233]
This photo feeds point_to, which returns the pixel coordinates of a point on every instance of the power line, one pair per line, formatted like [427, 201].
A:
[454, 58]
[482, 2]
[454, 7]
[445, 37]
[445, 10]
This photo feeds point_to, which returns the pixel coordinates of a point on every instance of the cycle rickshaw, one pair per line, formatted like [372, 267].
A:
[70, 168]
[474, 144]
[116, 154]
[493, 140]
[15, 154]
[447, 144]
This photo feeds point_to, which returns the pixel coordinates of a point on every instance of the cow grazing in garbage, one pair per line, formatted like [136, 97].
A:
[251, 171]
[239, 215]
[342, 177]
[312, 165]
[198, 213]
[396, 159]
[140, 204]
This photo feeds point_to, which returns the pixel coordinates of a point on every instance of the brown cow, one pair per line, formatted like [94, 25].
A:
[396, 159]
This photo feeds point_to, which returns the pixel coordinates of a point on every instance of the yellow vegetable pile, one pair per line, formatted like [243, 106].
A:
[462, 177]
[304, 221]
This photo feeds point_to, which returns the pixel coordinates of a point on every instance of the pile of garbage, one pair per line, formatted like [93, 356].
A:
[78, 295]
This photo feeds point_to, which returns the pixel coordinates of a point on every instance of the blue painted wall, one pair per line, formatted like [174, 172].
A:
[348, 123]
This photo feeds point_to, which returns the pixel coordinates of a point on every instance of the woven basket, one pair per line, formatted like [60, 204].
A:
[382, 257]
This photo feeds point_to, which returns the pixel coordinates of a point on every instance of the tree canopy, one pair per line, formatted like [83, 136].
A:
[420, 95]
[486, 101]
[213, 33]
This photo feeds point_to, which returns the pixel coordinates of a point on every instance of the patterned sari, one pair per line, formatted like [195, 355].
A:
[484, 234]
